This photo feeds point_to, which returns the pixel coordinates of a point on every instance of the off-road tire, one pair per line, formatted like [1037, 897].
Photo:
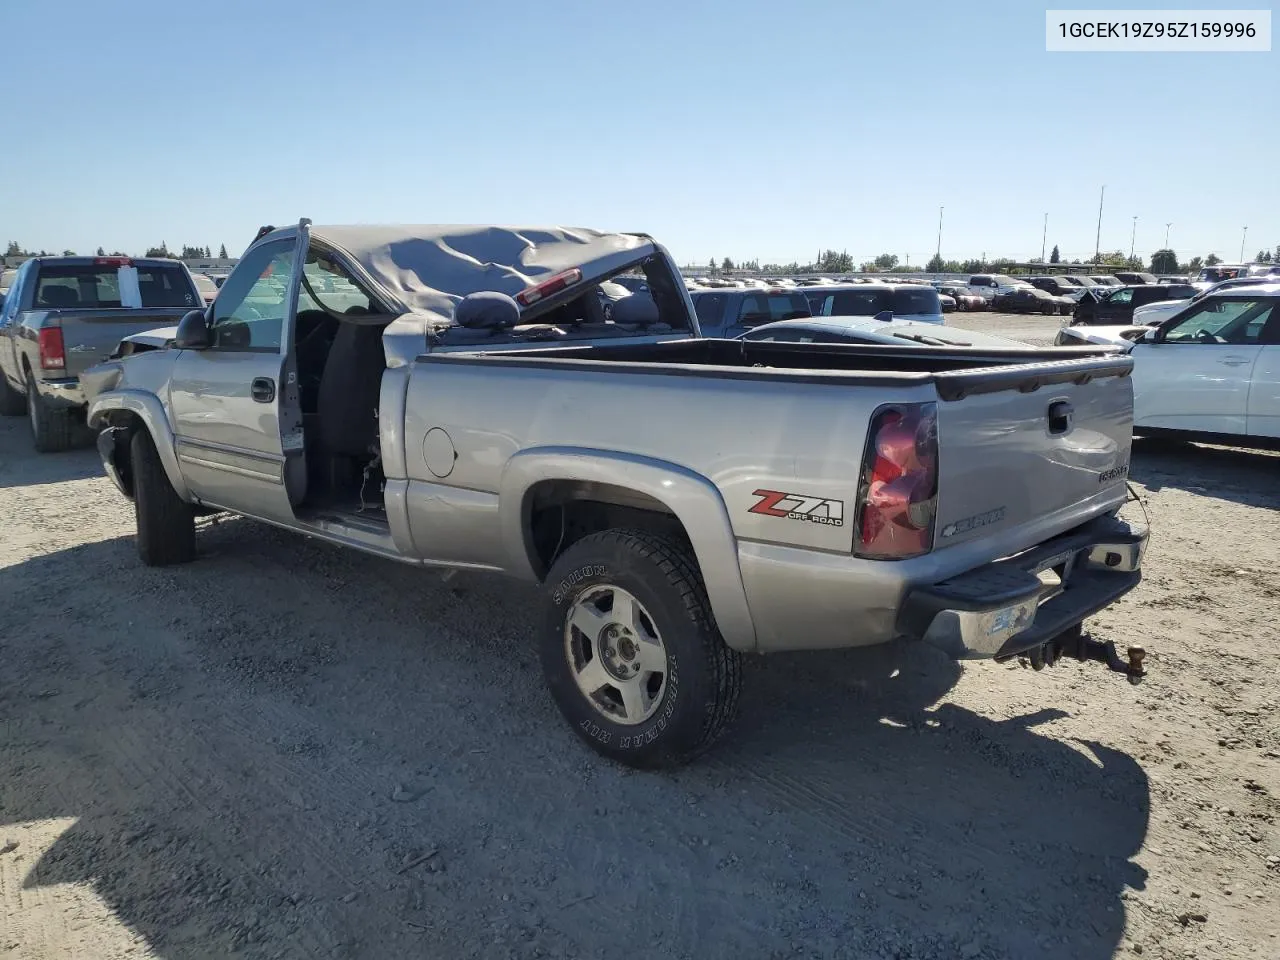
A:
[166, 524]
[52, 428]
[704, 676]
[12, 403]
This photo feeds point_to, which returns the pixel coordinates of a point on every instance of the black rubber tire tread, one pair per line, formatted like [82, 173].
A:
[12, 403]
[166, 524]
[53, 429]
[721, 665]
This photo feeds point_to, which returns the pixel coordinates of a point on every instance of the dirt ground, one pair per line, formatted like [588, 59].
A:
[288, 750]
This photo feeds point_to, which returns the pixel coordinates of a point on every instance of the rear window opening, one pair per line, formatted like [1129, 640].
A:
[641, 298]
[109, 287]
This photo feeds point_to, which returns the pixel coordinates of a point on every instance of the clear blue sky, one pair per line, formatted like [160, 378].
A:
[743, 129]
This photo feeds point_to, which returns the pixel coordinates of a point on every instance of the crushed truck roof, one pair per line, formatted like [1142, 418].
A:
[430, 267]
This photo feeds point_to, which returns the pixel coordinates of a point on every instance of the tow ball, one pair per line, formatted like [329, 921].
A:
[1078, 646]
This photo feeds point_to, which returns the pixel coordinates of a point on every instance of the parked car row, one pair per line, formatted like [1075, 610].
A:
[550, 412]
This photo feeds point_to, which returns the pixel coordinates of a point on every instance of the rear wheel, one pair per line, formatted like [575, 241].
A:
[166, 524]
[52, 427]
[12, 403]
[631, 653]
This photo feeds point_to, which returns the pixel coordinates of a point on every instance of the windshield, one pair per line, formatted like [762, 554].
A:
[328, 288]
[94, 286]
[869, 302]
[1215, 274]
[765, 307]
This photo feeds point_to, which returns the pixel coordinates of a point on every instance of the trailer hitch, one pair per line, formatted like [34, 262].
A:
[1078, 646]
[1106, 653]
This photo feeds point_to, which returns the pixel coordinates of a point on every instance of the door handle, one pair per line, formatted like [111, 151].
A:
[263, 390]
[1234, 361]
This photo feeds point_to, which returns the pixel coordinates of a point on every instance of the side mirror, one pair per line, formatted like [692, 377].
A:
[884, 316]
[193, 332]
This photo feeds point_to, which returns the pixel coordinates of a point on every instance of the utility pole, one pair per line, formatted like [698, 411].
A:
[1044, 239]
[939, 253]
[1132, 236]
[1166, 234]
[1097, 243]
[1242, 236]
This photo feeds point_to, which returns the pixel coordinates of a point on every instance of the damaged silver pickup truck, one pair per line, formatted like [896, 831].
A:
[465, 397]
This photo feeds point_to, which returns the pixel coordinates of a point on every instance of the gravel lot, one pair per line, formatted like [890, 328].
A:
[288, 750]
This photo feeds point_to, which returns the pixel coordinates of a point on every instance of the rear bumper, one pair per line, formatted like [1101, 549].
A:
[61, 391]
[1003, 608]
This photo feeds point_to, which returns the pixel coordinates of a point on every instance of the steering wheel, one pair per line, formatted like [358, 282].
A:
[1204, 336]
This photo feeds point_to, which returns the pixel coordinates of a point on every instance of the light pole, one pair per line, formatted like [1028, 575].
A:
[1044, 237]
[1166, 234]
[1133, 236]
[938, 255]
[1242, 236]
[1097, 243]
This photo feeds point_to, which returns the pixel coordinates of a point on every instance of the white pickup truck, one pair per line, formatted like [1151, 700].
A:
[456, 397]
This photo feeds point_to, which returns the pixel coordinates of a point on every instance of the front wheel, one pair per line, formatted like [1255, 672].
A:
[631, 653]
[166, 523]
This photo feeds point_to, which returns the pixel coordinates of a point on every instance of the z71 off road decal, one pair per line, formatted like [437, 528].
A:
[796, 506]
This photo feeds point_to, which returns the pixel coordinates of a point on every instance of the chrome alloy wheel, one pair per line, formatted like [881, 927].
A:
[615, 654]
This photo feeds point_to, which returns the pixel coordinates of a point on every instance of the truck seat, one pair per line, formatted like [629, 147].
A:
[347, 400]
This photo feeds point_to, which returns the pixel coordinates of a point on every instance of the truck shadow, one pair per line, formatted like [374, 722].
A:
[255, 752]
[21, 466]
[1225, 473]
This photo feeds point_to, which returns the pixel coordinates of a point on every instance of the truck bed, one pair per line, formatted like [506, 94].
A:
[955, 372]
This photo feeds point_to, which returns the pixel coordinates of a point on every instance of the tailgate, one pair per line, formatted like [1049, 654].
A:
[1034, 443]
[90, 336]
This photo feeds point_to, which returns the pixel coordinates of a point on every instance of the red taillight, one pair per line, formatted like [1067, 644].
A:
[546, 288]
[113, 261]
[899, 483]
[53, 355]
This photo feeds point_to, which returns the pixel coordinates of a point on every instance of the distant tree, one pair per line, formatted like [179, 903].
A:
[935, 264]
[160, 251]
[1212, 260]
[1076, 261]
[14, 249]
[101, 252]
[222, 251]
[726, 265]
[1055, 257]
[831, 262]
[972, 266]
[886, 261]
[712, 268]
[1164, 261]
[1116, 258]
[1195, 265]
[1275, 257]
[1264, 256]
[68, 253]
